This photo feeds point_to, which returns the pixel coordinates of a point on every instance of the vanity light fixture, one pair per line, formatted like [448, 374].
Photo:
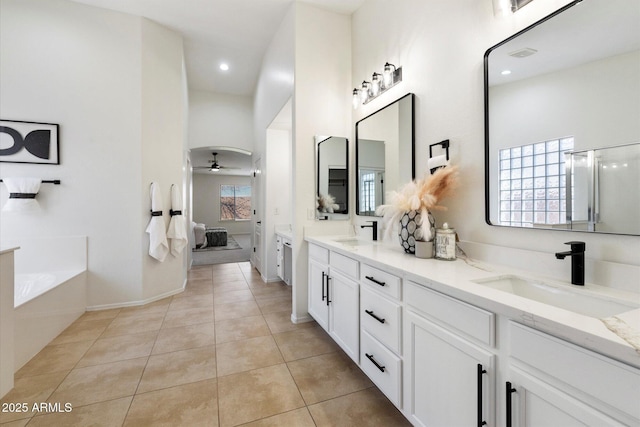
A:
[391, 75]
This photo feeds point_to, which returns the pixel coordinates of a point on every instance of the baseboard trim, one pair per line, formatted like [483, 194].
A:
[301, 319]
[138, 303]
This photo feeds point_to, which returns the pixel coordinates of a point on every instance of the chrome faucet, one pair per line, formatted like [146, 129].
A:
[577, 261]
[374, 227]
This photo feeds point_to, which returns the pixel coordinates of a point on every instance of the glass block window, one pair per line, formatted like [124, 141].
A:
[532, 183]
[368, 192]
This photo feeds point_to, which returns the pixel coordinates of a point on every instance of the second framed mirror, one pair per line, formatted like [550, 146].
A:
[385, 145]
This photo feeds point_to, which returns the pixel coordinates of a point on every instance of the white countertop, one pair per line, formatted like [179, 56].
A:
[284, 231]
[455, 279]
[8, 249]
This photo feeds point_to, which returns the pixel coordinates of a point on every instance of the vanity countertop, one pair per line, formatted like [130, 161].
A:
[455, 278]
[284, 231]
[7, 249]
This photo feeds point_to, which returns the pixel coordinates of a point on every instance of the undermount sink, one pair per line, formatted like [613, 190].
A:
[577, 300]
[353, 241]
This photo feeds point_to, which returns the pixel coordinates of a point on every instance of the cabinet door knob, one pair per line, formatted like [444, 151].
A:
[370, 357]
[370, 313]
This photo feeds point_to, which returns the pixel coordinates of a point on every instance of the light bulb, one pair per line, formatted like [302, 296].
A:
[388, 74]
[356, 98]
[375, 84]
[364, 92]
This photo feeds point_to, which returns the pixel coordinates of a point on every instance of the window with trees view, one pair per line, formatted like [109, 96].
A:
[235, 202]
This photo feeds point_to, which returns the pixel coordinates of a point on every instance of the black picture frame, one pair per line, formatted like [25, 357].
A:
[29, 142]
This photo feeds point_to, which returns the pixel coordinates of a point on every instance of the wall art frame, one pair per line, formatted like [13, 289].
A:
[29, 142]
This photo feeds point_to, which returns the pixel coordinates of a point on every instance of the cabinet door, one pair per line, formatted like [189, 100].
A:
[279, 258]
[537, 404]
[344, 300]
[318, 305]
[449, 381]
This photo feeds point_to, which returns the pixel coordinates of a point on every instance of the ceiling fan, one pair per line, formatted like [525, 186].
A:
[215, 166]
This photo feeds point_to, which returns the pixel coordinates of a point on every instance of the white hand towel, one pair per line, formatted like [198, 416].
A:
[158, 246]
[178, 225]
[437, 162]
[22, 194]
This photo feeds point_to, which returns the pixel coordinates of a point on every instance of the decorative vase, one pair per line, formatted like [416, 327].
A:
[411, 230]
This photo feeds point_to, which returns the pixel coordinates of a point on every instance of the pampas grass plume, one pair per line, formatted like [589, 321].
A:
[422, 195]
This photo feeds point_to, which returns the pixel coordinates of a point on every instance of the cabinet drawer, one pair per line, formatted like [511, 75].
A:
[382, 281]
[381, 318]
[476, 323]
[609, 381]
[387, 374]
[346, 265]
[319, 253]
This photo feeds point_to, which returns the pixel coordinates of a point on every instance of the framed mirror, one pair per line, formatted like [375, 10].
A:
[562, 101]
[332, 178]
[385, 145]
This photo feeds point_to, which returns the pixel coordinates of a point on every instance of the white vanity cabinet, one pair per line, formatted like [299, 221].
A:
[318, 274]
[449, 378]
[438, 353]
[381, 330]
[283, 258]
[550, 382]
[334, 297]
[280, 257]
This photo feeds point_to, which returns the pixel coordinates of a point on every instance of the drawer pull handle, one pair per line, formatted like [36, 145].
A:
[370, 313]
[375, 281]
[509, 390]
[370, 357]
[481, 371]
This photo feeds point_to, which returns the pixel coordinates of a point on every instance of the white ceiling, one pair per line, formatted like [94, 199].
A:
[236, 32]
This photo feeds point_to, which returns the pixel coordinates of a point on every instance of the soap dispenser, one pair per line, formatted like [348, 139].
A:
[446, 243]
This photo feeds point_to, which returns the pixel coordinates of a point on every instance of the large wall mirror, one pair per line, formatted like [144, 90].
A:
[332, 178]
[385, 144]
[562, 127]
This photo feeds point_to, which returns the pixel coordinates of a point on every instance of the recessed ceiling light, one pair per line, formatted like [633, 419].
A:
[506, 72]
[224, 67]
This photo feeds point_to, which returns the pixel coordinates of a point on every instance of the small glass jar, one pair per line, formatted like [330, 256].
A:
[446, 243]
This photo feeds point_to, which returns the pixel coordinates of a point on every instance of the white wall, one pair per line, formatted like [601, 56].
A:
[163, 124]
[322, 106]
[62, 62]
[206, 201]
[440, 46]
[274, 90]
[220, 120]
[278, 202]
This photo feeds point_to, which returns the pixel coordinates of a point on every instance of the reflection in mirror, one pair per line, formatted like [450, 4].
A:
[332, 178]
[384, 153]
[559, 95]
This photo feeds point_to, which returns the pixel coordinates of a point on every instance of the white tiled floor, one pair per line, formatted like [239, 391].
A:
[222, 353]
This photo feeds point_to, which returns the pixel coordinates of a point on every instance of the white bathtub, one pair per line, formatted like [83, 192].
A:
[49, 291]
